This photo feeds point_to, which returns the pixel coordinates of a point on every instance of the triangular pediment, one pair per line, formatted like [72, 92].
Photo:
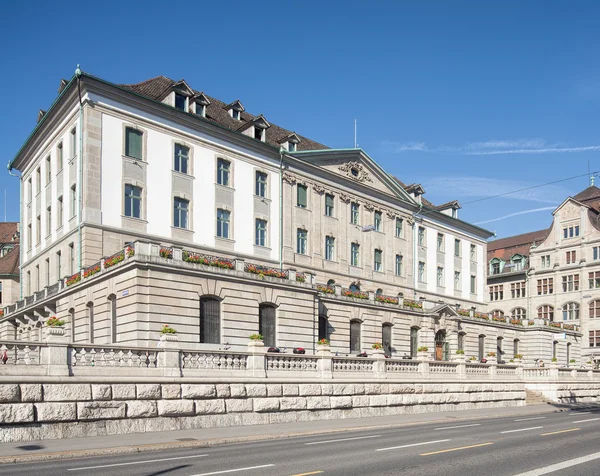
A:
[200, 98]
[356, 166]
[183, 88]
[444, 310]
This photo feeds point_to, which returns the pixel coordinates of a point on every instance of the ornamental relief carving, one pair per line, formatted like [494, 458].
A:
[369, 206]
[356, 171]
[289, 178]
[344, 198]
[319, 189]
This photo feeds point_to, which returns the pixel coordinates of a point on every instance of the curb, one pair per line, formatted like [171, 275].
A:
[123, 450]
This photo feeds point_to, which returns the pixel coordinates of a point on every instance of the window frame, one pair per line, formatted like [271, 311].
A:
[354, 213]
[132, 198]
[180, 159]
[260, 183]
[224, 174]
[260, 232]
[329, 205]
[127, 152]
[378, 263]
[304, 188]
[223, 223]
[355, 255]
[181, 212]
[301, 241]
[330, 248]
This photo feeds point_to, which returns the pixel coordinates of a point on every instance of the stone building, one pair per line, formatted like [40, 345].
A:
[9, 263]
[154, 203]
[553, 275]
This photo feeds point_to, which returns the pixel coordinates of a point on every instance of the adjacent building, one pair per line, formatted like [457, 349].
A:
[9, 264]
[153, 203]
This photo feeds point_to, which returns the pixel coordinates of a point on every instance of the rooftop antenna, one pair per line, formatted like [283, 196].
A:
[355, 143]
[590, 175]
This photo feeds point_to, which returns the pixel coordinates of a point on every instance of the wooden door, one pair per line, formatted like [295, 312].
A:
[439, 351]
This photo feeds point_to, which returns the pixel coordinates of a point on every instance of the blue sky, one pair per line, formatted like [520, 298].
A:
[471, 99]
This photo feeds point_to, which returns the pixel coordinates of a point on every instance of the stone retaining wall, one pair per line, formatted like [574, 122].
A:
[575, 392]
[31, 411]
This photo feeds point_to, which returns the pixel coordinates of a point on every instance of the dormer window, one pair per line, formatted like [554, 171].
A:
[292, 146]
[200, 110]
[180, 102]
[235, 114]
[259, 134]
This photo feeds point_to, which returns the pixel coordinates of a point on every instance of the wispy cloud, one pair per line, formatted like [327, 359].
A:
[490, 147]
[466, 188]
[524, 212]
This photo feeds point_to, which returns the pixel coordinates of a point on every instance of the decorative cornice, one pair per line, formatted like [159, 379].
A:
[344, 198]
[318, 188]
[289, 178]
[356, 171]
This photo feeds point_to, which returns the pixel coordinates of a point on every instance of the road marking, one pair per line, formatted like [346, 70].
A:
[534, 418]
[307, 474]
[414, 444]
[584, 421]
[561, 431]
[342, 439]
[557, 467]
[461, 426]
[135, 462]
[234, 470]
[582, 413]
[522, 429]
[456, 449]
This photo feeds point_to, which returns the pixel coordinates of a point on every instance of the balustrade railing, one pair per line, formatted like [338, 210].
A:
[402, 366]
[19, 353]
[349, 364]
[206, 360]
[104, 356]
[292, 363]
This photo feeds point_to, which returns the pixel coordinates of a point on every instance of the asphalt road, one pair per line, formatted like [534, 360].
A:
[566, 443]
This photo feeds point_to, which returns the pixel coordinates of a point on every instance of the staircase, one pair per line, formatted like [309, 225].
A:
[534, 398]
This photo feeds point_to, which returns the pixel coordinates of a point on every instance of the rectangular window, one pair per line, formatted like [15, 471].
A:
[398, 265]
[48, 171]
[260, 237]
[71, 258]
[497, 292]
[47, 271]
[440, 242]
[421, 236]
[181, 159]
[48, 221]
[133, 143]
[571, 232]
[594, 309]
[73, 142]
[59, 265]
[473, 284]
[377, 261]
[457, 248]
[60, 218]
[29, 236]
[594, 338]
[223, 172]
[546, 261]
[200, 110]
[73, 201]
[329, 248]
[133, 201]
[180, 213]
[261, 184]
[596, 252]
[38, 230]
[571, 257]
[223, 221]
[259, 133]
[355, 254]
[594, 280]
[301, 196]
[440, 276]
[29, 191]
[399, 227]
[545, 286]
[570, 283]
[354, 213]
[421, 272]
[301, 240]
[377, 221]
[38, 180]
[292, 146]
[457, 280]
[59, 157]
[180, 102]
[473, 253]
[517, 290]
[328, 205]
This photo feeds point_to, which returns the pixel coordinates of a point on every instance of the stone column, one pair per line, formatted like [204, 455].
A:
[461, 370]
[169, 359]
[325, 363]
[424, 369]
[379, 364]
[55, 356]
[256, 359]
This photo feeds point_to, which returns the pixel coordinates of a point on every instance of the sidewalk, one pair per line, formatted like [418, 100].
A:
[139, 442]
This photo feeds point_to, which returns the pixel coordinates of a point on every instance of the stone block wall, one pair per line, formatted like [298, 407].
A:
[573, 392]
[31, 411]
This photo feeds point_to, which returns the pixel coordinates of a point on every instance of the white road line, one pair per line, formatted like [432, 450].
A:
[533, 418]
[522, 429]
[414, 444]
[583, 421]
[234, 470]
[135, 462]
[453, 427]
[557, 467]
[581, 413]
[342, 439]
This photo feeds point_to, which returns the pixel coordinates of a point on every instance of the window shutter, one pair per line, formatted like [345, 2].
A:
[301, 196]
[133, 144]
[329, 200]
[210, 321]
[266, 324]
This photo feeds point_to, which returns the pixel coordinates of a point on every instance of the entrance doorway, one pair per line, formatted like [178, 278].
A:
[441, 346]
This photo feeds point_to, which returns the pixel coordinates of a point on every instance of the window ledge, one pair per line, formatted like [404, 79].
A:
[140, 220]
[330, 216]
[228, 240]
[181, 229]
[224, 187]
[133, 159]
[303, 208]
[262, 199]
[73, 218]
[181, 174]
[264, 248]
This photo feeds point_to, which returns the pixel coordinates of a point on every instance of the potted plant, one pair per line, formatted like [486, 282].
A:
[491, 357]
[256, 340]
[56, 326]
[518, 358]
[459, 355]
[323, 345]
[572, 362]
[554, 362]
[377, 349]
[168, 333]
[423, 353]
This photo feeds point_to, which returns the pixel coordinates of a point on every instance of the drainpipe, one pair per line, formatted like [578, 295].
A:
[20, 177]
[80, 186]
[281, 208]
[415, 257]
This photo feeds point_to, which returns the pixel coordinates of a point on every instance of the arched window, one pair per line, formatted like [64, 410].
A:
[414, 341]
[481, 349]
[379, 292]
[499, 349]
[112, 310]
[354, 287]
[570, 311]
[568, 354]
[90, 321]
[545, 312]
[72, 323]
[331, 282]
[386, 339]
[210, 320]
[461, 341]
[594, 309]
[519, 313]
[516, 343]
[266, 324]
[355, 327]
[323, 334]
[497, 313]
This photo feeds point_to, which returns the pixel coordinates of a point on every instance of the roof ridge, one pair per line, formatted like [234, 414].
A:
[160, 76]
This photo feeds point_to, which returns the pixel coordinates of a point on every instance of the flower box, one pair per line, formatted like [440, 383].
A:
[130, 251]
[464, 312]
[325, 289]
[264, 271]
[207, 260]
[73, 279]
[516, 322]
[166, 253]
[114, 259]
[412, 304]
[498, 319]
[386, 299]
[91, 271]
[300, 278]
[355, 294]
